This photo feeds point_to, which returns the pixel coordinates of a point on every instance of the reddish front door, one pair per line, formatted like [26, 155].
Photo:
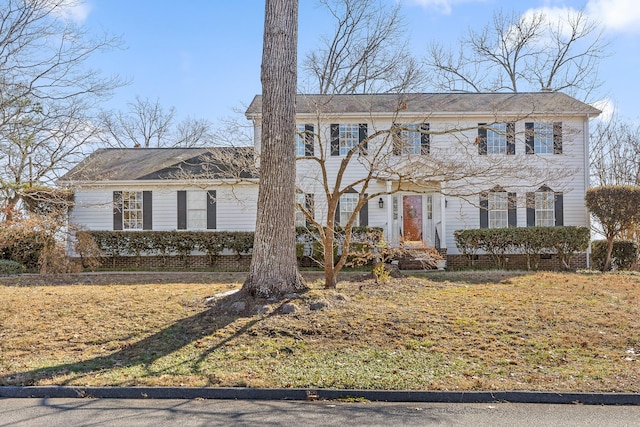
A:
[412, 218]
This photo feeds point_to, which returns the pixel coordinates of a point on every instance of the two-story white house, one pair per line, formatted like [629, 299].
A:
[428, 164]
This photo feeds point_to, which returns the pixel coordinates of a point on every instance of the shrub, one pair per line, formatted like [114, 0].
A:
[617, 208]
[8, 266]
[530, 241]
[623, 255]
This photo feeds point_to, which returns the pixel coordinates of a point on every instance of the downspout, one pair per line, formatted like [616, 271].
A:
[585, 126]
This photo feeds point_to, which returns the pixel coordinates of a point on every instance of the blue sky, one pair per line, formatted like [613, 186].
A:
[203, 56]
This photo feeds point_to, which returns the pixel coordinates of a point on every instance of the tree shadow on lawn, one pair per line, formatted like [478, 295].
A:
[473, 277]
[148, 350]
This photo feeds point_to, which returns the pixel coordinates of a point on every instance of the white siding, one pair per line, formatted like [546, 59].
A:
[235, 207]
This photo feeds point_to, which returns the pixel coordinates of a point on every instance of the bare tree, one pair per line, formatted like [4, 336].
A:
[274, 269]
[615, 153]
[366, 53]
[523, 53]
[47, 94]
[147, 124]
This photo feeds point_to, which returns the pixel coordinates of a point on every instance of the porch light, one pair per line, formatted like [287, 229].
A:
[380, 203]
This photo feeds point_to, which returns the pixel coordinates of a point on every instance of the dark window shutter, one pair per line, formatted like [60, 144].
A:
[512, 212]
[211, 210]
[335, 139]
[182, 210]
[511, 138]
[559, 209]
[531, 209]
[396, 139]
[117, 210]
[309, 206]
[484, 210]
[557, 138]
[362, 136]
[425, 141]
[308, 140]
[482, 139]
[529, 138]
[147, 211]
[364, 213]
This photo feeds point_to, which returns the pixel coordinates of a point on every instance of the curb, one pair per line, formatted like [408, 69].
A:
[320, 394]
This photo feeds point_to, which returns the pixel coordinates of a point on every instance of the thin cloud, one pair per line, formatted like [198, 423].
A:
[607, 107]
[73, 10]
[443, 6]
[616, 15]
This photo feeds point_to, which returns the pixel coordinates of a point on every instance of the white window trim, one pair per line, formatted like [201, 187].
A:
[348, 138]
[349, 200]
[132, 218]
[497, 139]
[543, 138]
[545, 204]
[498, 209]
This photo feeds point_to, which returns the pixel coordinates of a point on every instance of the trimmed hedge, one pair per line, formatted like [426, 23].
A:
[623, 255]
[182, 243]
[168, 243]
[530, 241]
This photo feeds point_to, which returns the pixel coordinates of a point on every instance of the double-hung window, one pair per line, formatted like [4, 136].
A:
[496, 139]
[545, 208]
[348, 204]
[412, 139]
[543, 137]
[498, 209]
[300, 141]
[301, 200]
[132, 218]
[349, 137]
[197, 210]
[304, 140]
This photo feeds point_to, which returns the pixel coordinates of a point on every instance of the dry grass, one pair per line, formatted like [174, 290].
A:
[456, 331]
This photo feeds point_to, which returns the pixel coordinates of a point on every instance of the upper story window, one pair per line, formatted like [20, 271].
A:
[543, 137]
[346, 136]
[349, 137]
[132, 210]
[304, 140]
[497, 138]
[413, 139]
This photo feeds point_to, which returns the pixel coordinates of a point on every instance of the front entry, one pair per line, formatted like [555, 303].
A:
[412, 218]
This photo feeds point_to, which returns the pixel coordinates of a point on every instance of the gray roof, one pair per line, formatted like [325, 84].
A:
[130, 164]
[434, 103]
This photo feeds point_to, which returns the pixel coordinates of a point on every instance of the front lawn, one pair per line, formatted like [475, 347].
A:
[442, 331]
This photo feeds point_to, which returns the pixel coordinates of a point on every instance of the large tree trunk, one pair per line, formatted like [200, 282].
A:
[274, 269]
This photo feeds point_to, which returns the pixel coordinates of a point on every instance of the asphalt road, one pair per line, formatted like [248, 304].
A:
[159, 413]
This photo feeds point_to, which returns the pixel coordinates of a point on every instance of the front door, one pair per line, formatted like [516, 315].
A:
[412, 218]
